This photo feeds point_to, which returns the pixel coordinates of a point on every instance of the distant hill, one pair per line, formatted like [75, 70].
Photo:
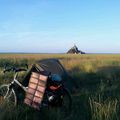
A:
[75, 50]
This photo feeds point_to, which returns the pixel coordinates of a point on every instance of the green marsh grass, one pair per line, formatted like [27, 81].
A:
[103, 110]
[92, 75]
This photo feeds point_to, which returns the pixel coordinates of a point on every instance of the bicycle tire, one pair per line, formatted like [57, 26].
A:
[7, 96]
[67, 100]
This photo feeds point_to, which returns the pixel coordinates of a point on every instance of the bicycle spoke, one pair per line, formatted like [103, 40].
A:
[7, 96]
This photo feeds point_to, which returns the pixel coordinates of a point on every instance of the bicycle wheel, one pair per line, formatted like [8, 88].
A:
[7, 96]
[65, 105]
[66, 101]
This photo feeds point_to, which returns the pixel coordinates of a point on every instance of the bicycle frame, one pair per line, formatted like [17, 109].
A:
[18, 83]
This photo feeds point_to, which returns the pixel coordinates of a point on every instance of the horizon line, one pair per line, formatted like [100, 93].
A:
[48, 53]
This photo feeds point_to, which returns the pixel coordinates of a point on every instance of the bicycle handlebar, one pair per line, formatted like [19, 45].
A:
[14, 69]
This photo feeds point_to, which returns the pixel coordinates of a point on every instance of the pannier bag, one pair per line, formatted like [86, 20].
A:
[36, 89]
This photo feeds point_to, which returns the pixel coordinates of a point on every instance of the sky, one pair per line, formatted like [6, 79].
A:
[54, 26]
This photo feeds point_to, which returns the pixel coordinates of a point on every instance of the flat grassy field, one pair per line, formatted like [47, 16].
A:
[95, 87]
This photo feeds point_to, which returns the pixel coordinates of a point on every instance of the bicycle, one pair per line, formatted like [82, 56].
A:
[55, 95]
